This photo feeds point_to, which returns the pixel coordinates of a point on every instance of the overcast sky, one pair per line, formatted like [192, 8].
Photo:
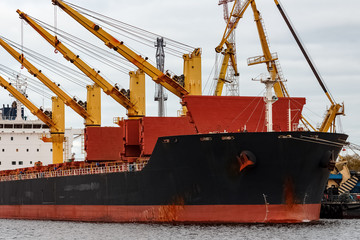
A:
[329, 29]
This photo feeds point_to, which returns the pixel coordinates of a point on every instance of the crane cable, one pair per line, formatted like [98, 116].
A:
[135, 31]
[32, 85]
[55, 67]
[90, 50]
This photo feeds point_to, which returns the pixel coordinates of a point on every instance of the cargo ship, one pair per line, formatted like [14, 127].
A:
[226, 159]
[216, 177]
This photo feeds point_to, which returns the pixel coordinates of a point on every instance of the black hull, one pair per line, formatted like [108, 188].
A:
[289, 168]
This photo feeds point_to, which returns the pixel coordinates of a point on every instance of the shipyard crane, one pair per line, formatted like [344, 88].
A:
[228, 70]
[335, 109]
[272, 63]
[236, 14]
[233, 19]
[91, 113]
[129, 101]
[175, 84]
[273, 66]
[55, 120]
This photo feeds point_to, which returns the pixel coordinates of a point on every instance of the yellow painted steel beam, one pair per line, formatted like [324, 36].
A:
[127, 53]
[56, 123]
[221, 80]
[29, 105]
[137, 93]
[230, 27]
[110, 90]
[192, 72]
[47, 82]
[57, 138]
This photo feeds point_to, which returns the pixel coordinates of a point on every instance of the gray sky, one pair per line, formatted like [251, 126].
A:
[329, 29]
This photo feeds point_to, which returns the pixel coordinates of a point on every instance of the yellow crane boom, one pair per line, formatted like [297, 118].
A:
[56, 122]
[158, 76]
[51, 85]
[268, 58]
[236, 14]
[229, 55]
[33, 109]
[115, 93]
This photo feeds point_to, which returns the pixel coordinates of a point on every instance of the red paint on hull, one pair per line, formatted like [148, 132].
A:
[170, 213]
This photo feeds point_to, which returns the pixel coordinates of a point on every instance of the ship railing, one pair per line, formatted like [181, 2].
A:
[126, 167]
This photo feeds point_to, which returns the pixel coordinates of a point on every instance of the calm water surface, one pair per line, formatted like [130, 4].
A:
[325, 229]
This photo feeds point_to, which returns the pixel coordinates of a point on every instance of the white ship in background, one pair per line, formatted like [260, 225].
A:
[21, 143]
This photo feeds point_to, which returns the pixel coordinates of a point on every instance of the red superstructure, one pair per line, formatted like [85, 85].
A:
[136, 138]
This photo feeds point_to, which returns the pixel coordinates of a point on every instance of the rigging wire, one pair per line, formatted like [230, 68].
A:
[53, 66]
[116, 22]
[90, 49]
[31, 84]
[208, 81]
[135, 32]
[150, 43]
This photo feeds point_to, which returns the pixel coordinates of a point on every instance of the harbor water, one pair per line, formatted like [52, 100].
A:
[324, 229]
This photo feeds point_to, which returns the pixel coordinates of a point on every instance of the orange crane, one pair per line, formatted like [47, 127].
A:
[91, 114]
[55, 121]
[135, 107]
[173, 84]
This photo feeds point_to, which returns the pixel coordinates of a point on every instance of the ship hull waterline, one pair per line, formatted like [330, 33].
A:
[166, 213]
[192, 179]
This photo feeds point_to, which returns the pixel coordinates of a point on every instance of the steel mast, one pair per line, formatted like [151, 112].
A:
[160, 95]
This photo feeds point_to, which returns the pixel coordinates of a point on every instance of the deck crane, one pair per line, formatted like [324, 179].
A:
[121, 97]
[92, 114]
[192, 83]
[335, 109]
[55, 121]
